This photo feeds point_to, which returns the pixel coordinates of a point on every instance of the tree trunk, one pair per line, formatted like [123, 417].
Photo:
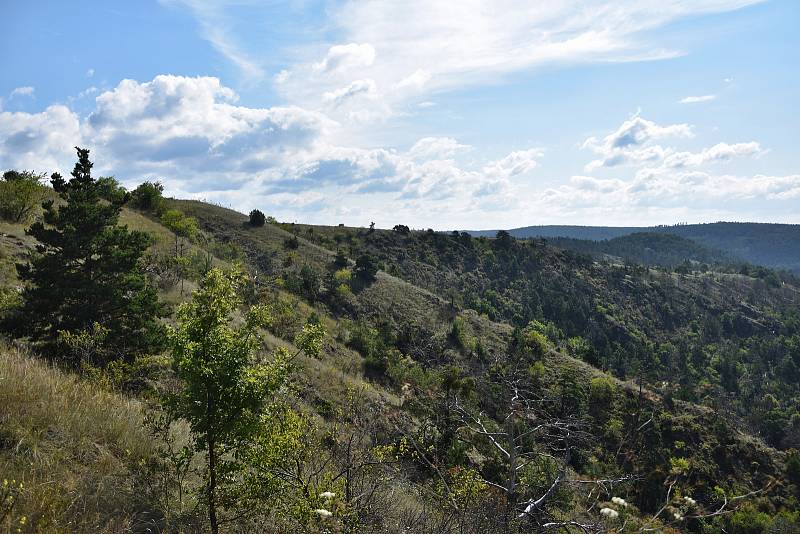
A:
[212, 485]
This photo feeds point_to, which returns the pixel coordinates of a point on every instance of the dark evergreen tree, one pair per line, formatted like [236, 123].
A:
[87, 272]
[257, 218]
[366, 268]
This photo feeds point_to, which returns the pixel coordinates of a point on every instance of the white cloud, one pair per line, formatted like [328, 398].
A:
[716, 153]
[191, 129]
[343, 57]
[88, 92]
[697, 99]
[42, 141]
[218, 29]
[631, 143]
[436, 147]
[667, 189]
[415, 80]
[21, 91]
[514, 164]
[365, 88]
[89, 73]
[438, 48]
[192, 134]
[294, 163]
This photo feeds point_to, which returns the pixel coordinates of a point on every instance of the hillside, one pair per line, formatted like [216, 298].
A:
[625, 368]
[646, 248]
[772, 245]
[705, 334]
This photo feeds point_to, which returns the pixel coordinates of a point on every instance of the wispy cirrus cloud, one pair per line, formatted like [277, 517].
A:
[697, 99]
[219, 29]
[481, 42]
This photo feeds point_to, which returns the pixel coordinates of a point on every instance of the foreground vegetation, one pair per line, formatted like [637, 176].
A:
[288, 378]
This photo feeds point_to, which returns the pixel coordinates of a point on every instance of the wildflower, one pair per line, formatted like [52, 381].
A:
[691, 502]
[323, 513]
[678, 516]
[327, 495]
[619, 501]
[610, 513]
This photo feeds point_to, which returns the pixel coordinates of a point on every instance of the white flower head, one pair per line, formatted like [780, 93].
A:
[327, 495]
[619, 501]
[324, 514]
[678, 516]
[610, 513]
[691, 502]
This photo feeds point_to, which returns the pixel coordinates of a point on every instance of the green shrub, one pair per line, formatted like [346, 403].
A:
[257, 218]
[21, 194]
[148, 196]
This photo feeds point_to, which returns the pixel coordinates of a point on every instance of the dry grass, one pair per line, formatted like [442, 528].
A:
[74, 446]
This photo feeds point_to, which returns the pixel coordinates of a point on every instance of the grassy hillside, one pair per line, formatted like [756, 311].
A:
[432, 295]
[74, 450]
[439, 333]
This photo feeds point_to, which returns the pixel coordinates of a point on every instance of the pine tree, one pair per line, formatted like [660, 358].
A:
[87, 274]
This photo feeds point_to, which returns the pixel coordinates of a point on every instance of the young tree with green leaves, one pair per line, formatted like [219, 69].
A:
[148, 196]
[87, 272]
[183, 227]
[20, 194]
[225, 392]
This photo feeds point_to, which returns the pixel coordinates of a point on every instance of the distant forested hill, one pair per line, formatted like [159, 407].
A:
[773, 245]
[648, 248]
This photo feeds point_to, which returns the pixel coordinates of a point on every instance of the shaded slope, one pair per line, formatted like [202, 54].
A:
[771, 245]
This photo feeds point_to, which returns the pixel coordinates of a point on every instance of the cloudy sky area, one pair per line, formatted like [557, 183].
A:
[471, 114]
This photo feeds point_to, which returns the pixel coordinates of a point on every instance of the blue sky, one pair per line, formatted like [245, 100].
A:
[476, 114]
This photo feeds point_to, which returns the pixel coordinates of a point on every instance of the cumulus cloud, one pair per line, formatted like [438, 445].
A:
[667, 189]
[697, 99]
[631, 142]
[716, 153]
[516, 163]
[196, 122]
[348, 56]
[41, 141]
[193, 134]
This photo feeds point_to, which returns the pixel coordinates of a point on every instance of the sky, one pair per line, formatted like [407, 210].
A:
[474, 114]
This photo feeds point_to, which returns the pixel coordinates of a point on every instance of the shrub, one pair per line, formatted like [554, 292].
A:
[21, 193]
[148, 197]
[291, 243]
[257, 218]
[110, 189]
[366, 268]
[601, 395]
